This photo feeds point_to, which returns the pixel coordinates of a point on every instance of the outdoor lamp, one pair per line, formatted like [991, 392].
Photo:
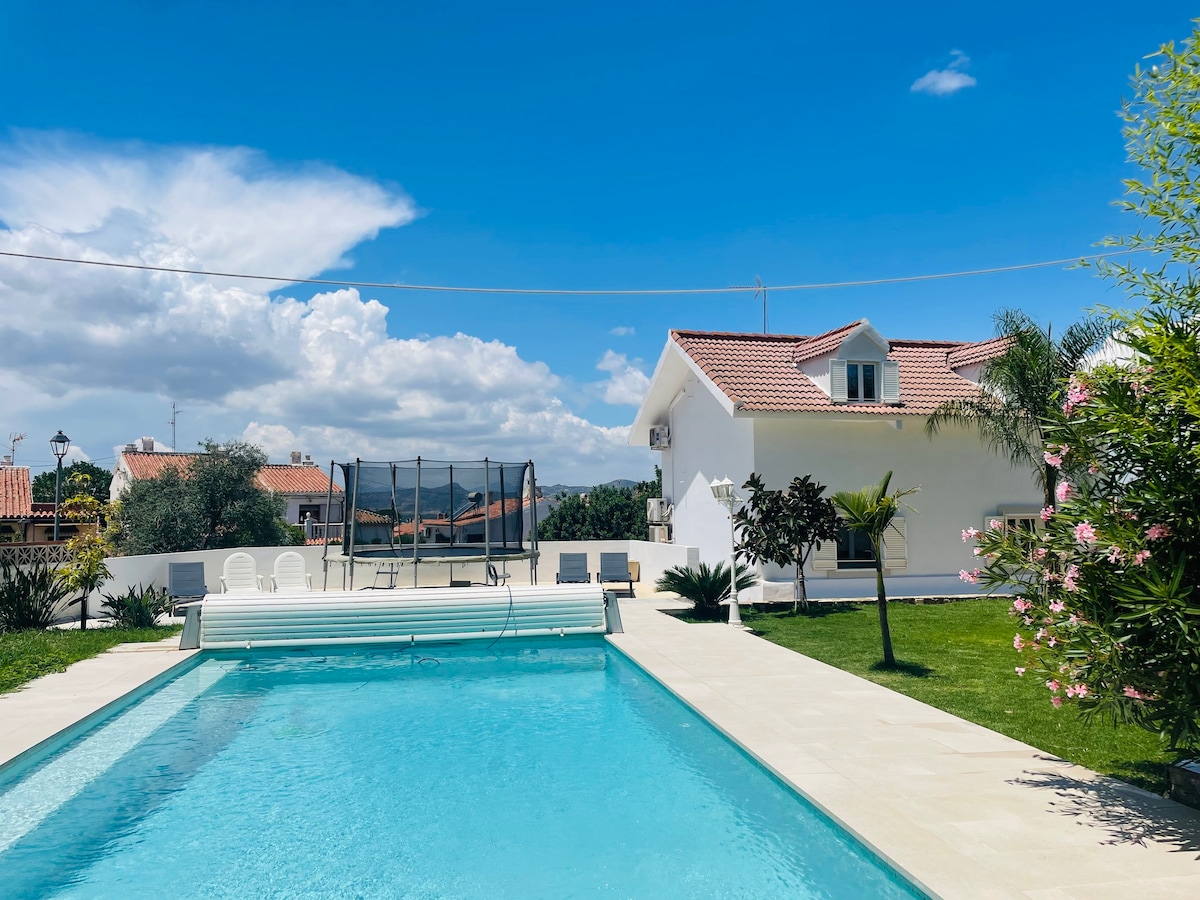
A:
[723, 493]
[59, 444]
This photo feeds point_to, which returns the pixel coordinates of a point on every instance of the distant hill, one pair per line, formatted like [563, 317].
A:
[553, 490]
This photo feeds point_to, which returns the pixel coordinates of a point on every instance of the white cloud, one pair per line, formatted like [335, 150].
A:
[627, 383]
[322, 376]
[623, 331]
[948, 80]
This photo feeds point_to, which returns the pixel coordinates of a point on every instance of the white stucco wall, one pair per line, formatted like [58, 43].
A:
[962, 484]
[706, 443]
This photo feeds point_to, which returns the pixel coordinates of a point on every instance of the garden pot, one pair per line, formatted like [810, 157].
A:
[1185, 782]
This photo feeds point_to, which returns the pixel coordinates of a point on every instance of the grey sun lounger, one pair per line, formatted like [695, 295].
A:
[572, 569]
[615, 567]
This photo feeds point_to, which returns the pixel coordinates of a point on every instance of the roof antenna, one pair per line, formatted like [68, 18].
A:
[175, 411]
[14, 438]
[759, 288]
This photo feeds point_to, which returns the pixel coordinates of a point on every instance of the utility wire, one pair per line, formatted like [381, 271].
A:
[733, 289]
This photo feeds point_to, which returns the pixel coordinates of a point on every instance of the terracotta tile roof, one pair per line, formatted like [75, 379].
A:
[16, 492]
[761, 372]
[494, 511]
[822, 343]
[295, 479]
[284, 479]
[366, 517]
[970, 354]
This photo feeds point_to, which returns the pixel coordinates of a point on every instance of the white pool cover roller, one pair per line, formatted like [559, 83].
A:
[283, 619]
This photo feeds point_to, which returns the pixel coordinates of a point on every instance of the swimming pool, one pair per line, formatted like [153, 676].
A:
[542, 768]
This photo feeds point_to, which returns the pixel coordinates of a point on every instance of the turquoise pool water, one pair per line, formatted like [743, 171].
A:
[531, 769]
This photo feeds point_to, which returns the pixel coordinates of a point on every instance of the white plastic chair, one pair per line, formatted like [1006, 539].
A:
[240, 575]
[290, 573]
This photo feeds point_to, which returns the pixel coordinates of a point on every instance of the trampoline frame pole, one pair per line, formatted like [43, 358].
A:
[328, 509]
[533, 535]
[416, 520]
[353, 517]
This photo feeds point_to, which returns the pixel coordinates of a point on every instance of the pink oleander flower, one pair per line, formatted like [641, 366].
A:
[1052, 459]
[1039, 553]
[969, 533]
[1018, 642]
[1077, 690]
[1046, 513]
[1053, 642]
[1053, 685]
[1139, 558]
[995, 524]
[1056, 701]
[1077, 395]
[969, 577]
[1028, 620]
[1156, 532]
[1021, 604]
[1021, 672]
[1134, 693]
[1069, 583]
[977, 551]
[1064, 491]
[1093, 470]
[1115, 554]
[1085, 533]
[1056, 606]
[1074, 620]
[1041, 633]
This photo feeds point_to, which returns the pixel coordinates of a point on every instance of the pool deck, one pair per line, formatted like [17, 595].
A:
[963, 811]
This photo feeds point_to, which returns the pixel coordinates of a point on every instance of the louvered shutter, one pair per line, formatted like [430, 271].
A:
[837, 380]
[895, 544]
[891, 381]
[824, 559]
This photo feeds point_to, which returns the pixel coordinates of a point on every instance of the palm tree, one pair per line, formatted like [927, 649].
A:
[705, 587]
[871, 511]
[1022, 391]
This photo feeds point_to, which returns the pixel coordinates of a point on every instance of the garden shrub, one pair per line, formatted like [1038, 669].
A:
[30, 596]
[138, 607]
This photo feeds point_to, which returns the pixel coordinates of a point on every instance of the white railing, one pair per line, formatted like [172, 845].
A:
[318, 530]
[31, 554]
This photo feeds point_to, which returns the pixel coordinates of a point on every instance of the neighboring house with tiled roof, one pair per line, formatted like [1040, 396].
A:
[304, 486]
[845, 406]
[22, 520]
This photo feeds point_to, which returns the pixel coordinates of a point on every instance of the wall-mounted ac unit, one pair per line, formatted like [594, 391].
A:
[658, 511]
[660, 534]
[660, 438]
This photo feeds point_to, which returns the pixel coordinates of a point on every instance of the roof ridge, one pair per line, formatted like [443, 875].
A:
[744, 335]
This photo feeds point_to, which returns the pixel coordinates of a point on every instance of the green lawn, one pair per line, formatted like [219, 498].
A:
[959, 657]
[26, 655]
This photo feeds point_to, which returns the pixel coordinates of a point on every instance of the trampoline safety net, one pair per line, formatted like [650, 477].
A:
[430, 509]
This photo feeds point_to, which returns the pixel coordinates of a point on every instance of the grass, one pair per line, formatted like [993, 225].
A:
[26, 655]
[959, 657]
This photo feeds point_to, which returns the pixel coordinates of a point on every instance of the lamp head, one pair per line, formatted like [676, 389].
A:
[722, 490]
[59, 444]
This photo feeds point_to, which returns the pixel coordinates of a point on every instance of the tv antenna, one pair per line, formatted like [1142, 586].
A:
[759, 288]
[14, 438]
[175, 411]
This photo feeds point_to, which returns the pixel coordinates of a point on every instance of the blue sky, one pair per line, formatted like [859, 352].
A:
[604, 146]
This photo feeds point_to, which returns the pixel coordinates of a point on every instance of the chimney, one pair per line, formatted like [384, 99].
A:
[7, 461]
[147, 445]
[131, 448]
[295, 457]
[308, 460]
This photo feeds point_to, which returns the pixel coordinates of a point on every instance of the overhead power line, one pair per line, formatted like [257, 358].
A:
[458, 289]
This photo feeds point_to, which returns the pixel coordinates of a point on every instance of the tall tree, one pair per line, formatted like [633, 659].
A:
[784, 527]
[96, 487]
[1022, 391]
[607, 513]
[213, 503]
[870, 511]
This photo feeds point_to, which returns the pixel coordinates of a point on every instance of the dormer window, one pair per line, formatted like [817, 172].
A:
[861, 381]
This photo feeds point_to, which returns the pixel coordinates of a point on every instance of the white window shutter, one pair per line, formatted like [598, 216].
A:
[895, 544]
[824, 559]
[837, 380]
[891, 381]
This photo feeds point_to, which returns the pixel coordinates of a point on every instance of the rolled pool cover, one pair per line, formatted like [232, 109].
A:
[323, 618]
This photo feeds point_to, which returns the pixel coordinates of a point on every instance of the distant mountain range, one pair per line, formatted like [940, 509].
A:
[553, 490]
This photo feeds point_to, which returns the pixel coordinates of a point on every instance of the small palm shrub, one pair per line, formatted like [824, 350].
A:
[138, 607]
[31, 596]
[705, 587]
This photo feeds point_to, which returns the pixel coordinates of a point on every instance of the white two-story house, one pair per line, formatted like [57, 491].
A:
[846, 407]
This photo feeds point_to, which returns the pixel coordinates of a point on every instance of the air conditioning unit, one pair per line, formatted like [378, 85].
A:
[660, 438]
[660, 534]
[658, 511]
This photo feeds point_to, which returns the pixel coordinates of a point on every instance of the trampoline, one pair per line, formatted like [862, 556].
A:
[420, 511]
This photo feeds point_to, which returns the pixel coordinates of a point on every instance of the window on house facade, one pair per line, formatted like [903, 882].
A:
[860, 381]
[854, 549]
[310, 509]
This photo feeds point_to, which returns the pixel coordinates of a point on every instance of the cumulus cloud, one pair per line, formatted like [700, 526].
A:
[319, 375]
[941, 82]
[626, 383]
[622, 331]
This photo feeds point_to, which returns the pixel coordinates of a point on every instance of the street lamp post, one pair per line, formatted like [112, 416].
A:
[59, 444]
[723, 493]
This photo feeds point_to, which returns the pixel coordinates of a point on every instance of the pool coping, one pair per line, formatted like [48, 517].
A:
[958, 810]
